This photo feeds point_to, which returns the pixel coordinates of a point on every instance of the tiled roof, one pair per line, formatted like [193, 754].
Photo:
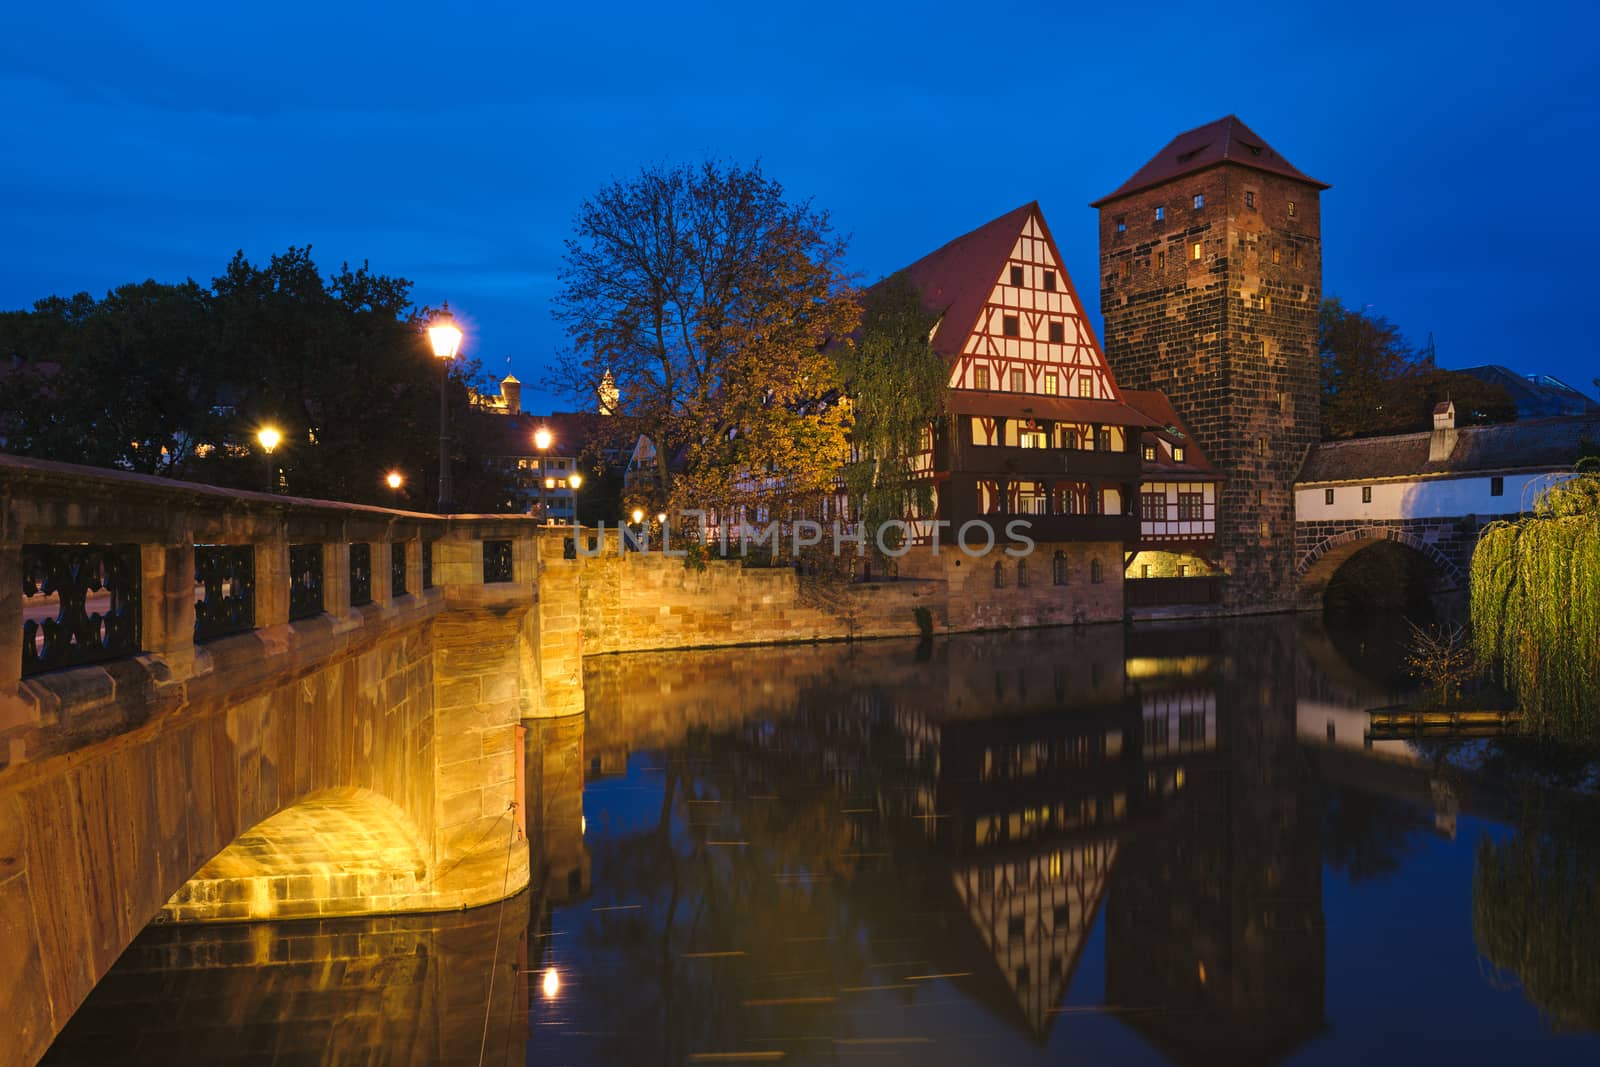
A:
[1159, 412]
[1053, 408]
[956, 279]
[1536, 444]
[1226, 140]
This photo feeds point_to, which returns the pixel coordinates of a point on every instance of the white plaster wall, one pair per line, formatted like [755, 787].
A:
[1423, 498]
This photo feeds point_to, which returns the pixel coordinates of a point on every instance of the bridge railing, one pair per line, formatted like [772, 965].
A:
[102, 568]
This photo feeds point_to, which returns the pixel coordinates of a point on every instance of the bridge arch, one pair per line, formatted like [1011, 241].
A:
[1318, 566]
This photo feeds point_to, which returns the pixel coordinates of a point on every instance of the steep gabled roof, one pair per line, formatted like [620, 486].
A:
[957, 278]
[1226, 140]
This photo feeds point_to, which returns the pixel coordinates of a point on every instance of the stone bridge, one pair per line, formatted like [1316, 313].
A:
[218, 705]
[1322, 547]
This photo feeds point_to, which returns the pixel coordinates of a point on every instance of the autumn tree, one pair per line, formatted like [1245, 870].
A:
[709, 297]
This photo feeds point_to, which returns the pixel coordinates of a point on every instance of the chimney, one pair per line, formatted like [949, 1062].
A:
[1443, 441]
[511, 394]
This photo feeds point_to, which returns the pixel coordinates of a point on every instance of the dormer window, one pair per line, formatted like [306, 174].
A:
[1199, 201]
[1177, 453]
[1016, 276]
[1149, 453]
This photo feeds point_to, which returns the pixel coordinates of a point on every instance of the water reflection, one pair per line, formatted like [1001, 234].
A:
[1164, 844]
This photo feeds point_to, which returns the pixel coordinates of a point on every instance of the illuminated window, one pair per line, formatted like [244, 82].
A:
[1033, 439]
[1011, 325]
[1144, 570]
[1194, 253]
[1149, 453]
[1122, 225]
[1199, 201]
[1161, 260]
[980, 378]
[1052, 380]
[1327, 496]
[1161, 213]
[1058, 333]
[1277, 253]
[1177, 453]
[1019, 382]
[1049, 281]
[1291, 209]
[1497, 486]
[1261, 446]
[1249, 199]
[1016, 276]
[1366, 494]
[1085, 386]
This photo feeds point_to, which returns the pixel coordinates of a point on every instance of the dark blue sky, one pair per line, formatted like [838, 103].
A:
[452, 146]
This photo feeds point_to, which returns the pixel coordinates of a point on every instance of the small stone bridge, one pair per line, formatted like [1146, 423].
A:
[1322, 547]
[218, 705]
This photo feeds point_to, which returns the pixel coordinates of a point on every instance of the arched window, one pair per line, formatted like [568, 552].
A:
[999, 575]
[1058, 568]
[1094, 572]
[1022, 573]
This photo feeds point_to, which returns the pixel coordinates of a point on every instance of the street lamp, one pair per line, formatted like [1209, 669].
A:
[574, 483]
[541, 444]
[269, 438]
[395, 479]
[445, 337]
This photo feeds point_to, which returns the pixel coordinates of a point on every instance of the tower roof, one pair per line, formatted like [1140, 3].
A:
[1227, 140]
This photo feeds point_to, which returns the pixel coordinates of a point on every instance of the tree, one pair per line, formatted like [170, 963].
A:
[1375, 382]
[177, 379]
[896, 384]
[708, 298]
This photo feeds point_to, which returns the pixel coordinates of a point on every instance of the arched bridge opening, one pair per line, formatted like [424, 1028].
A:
[1378, 570]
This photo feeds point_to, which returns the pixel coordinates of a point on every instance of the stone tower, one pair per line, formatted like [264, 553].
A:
[1210, 281]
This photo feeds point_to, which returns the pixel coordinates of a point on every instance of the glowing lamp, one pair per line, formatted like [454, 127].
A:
[269, 438]
[395, 479]
[576, 480]
[445, 336]
[541, 439]
[638, 514]
[552, 982]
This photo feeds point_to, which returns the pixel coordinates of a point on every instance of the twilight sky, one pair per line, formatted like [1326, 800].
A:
[451, 144]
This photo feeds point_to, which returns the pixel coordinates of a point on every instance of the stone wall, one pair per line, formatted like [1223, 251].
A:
[1321, 548]
[643, 601]
[1231, 338]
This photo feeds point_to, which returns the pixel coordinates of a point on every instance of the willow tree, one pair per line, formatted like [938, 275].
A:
[708, 297]
[896, 386]
[1536, 608]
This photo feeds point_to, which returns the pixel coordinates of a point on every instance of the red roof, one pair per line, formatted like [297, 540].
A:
[1053, 408]
[1159, 412]
[957, 279]
[1226, 140]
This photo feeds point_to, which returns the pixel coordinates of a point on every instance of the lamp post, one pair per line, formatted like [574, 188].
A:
[574, 483]
[269, 438]
[445, 337]
[541, 444]
[394, 480]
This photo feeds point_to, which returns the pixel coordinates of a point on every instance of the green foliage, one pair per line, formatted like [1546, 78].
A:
[1536, 914]
[1375, 382]
[1536, 610]
[896, 384]
[177, 379]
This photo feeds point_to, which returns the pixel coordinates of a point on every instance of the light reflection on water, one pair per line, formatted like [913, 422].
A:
[1165, 844]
